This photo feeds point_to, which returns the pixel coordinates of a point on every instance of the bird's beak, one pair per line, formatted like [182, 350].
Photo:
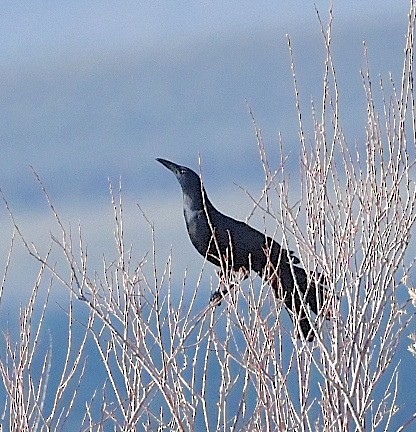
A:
[169, 165]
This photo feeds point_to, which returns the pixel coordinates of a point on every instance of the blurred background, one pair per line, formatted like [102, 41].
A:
[92, 91]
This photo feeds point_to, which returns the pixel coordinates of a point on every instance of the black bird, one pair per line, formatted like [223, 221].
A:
[234, 245]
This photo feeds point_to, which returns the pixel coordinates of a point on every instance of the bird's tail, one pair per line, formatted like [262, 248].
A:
[297, 295]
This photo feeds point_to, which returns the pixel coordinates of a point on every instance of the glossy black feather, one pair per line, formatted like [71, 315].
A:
[233, 244]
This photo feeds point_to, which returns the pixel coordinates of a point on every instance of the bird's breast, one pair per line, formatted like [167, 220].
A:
[198, 229]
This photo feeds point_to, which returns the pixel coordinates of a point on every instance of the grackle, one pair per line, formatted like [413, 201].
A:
[234, 245]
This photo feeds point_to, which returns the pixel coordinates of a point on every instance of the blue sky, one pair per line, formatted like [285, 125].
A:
[97, 90]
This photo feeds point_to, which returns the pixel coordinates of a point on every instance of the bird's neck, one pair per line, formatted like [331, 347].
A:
[196, 201]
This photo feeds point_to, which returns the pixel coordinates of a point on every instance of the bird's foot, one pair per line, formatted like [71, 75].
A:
[217, 296]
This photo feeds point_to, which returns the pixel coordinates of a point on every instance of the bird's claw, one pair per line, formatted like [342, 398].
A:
[217, 296]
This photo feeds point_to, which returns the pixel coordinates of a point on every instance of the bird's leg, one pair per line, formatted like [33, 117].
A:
[221, 291]
[224, 282]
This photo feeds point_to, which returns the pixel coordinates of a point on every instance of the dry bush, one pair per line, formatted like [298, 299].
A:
[36, 400]
[171, 364]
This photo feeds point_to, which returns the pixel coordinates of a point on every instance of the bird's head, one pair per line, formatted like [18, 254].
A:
[188, 179]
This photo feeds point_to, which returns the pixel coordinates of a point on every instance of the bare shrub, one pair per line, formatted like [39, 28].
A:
[36, 400]
[171, 364]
